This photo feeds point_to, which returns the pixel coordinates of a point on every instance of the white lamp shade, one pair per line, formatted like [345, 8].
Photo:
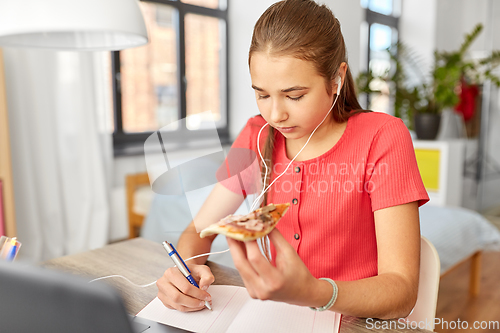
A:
[93, 25]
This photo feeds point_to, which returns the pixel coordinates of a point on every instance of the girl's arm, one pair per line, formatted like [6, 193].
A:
[220, 203]
[391, 294]
[174, 290]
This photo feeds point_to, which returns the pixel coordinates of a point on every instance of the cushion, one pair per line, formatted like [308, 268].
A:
[457, 233]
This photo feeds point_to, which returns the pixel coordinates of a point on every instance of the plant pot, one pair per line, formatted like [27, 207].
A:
[427, 125]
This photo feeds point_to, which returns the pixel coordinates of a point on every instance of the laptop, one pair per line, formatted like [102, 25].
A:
[33, 299]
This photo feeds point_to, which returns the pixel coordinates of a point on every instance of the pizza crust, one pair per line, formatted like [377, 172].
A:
[247, 230]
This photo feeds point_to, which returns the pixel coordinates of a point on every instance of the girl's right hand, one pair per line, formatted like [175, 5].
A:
[175, 291]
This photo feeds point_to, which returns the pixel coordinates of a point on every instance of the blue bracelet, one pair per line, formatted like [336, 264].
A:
[332, 300]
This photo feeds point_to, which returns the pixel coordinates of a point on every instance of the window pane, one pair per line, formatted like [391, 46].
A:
[381, 38]
[381, 6]
[205, 58]
[203, 3]
[149, 74]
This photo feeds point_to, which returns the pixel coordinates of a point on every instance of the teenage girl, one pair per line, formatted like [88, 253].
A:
[354, 188]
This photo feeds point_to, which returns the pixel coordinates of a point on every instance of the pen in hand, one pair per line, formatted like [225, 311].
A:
[181, 265]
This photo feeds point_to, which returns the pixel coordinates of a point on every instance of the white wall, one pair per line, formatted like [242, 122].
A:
[417, 29]
[350, 15]
[242, 18]
[455, 18]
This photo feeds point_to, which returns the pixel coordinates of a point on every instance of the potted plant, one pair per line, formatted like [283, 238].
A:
[420, 104]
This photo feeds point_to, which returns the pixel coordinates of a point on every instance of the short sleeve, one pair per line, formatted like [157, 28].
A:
[240, 171]
[392, 172]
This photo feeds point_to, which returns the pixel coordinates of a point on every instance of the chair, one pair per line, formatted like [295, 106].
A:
[133, 183]
[428, 285]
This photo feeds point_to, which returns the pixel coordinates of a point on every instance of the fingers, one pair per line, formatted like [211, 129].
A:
[239, 254]
[204, 275]
[259, 276]
[284, 251]
[236, 246]
[175, 292]
[257, 260]
[279, 242]
[173, 299]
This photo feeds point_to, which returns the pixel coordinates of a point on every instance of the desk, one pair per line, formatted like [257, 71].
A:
[143, 261]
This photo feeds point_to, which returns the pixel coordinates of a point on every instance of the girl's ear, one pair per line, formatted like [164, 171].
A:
[339, 84]
[341, 76]
[338, 81]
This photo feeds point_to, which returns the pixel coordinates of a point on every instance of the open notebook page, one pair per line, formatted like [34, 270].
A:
[269, 316]
[235, 311]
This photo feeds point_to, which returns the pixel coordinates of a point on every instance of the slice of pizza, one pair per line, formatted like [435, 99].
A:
[248, 227]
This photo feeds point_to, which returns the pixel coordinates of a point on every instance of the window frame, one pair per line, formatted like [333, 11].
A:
[131, 143]
[372, 17]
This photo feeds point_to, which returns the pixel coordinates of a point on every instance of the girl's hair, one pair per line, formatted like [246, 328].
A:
[307, 31]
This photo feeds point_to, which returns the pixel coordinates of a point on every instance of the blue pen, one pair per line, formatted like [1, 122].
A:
[181, 265]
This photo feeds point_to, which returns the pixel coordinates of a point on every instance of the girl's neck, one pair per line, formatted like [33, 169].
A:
[325, 137]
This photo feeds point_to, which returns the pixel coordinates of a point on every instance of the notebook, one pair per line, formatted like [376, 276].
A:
[235, 311]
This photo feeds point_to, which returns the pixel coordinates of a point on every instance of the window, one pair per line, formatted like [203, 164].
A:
[380, 31]
[181, 72]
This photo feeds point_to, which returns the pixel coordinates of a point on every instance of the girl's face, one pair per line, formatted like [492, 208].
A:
[291, 95]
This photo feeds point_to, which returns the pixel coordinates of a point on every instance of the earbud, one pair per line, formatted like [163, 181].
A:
[338, 80]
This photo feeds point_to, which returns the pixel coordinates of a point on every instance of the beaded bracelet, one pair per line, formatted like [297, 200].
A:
[332, 300]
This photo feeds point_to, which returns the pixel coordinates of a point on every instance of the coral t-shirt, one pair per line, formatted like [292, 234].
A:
[330, 222]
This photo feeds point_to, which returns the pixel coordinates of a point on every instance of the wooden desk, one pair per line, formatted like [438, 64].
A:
[143, 261]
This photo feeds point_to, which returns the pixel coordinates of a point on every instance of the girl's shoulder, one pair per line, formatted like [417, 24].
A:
[256, 121]
[373, 122]
[373, 118]
[248, 135]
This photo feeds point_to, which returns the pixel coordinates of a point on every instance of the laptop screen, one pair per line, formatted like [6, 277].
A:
[33, 299]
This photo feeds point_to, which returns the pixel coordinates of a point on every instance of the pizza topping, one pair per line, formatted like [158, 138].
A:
[233, 218]
[255, 221]
[253, 224]
[248, 227]
[267, 209]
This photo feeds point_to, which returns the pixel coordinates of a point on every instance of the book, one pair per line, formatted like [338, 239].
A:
[233, 310]
[2, 218]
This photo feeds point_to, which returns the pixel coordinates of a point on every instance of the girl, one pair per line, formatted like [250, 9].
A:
[353, 182]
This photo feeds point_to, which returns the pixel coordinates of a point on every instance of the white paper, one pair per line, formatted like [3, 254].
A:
[235, 311]
[269, 316]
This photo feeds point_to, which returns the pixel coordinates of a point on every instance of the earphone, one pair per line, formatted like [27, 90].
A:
[338, 81]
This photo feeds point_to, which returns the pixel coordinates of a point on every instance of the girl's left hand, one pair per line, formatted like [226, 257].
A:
[290, 281]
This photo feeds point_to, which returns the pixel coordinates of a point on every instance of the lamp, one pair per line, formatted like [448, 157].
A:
[90, 25]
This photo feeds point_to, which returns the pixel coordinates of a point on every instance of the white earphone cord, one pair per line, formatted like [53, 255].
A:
[253, 207]
[265, 189]
[150, 284]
